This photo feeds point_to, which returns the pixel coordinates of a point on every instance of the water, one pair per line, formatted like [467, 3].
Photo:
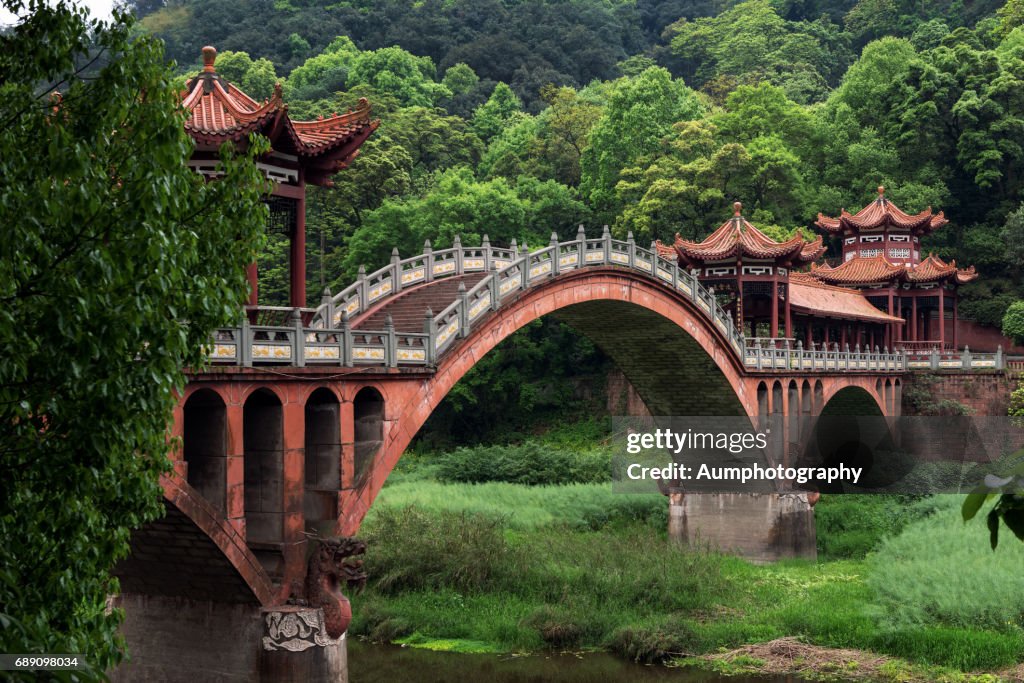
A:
[391, 663]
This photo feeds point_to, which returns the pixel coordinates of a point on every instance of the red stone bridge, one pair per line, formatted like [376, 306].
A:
[297, 422]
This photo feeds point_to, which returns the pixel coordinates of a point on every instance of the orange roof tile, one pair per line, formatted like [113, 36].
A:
[859, 270]
[807, 295]
[878, 213]
[933, 269]
[219, 111]
[738, 238]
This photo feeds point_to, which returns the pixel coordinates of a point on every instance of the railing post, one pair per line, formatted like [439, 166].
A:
[364, 295]
[846, 348]
[457, 244]
[327, 304]
[428, 343]
[245, 343]
[463, 311]
[934, 358]
[485, 246]
[581, 237]
[428, 261]
[554, 253]
[799, 353]
[631, 249]
[789, 355]
[390, 342]
[346, 340]
[654, 259]
[1000, 361]
[965, 358]
[606, 235]
[396, 271]
[524, 269]
[299, 343]
[495, 291]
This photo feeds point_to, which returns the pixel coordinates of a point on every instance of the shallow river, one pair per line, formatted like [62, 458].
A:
[391, 664]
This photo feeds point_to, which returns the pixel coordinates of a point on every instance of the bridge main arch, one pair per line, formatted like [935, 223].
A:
[678, 361]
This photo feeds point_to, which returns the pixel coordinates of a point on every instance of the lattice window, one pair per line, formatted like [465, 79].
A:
[900, 253]
[756, 289]
[283, 214]
[869, 253]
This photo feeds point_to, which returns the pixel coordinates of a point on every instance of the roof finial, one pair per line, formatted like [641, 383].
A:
[737, 207]
[881, 191]
[209, 57]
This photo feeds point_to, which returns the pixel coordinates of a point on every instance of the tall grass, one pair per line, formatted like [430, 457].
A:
[577, 506]
[942, 572]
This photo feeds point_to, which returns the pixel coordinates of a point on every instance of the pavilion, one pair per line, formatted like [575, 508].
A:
[302, 152]
[882, 260]
[755, 279]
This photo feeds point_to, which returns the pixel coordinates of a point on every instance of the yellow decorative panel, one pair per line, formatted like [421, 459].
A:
[323, 353]
[275, 351]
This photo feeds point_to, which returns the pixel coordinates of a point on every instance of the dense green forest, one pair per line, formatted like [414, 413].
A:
[515, 119]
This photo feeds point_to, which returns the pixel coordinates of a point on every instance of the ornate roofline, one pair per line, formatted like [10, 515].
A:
[878, 213]
[219, 111]
[738, 238]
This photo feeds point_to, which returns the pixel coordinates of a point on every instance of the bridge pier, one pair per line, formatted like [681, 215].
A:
[762, 527]
[178, 640]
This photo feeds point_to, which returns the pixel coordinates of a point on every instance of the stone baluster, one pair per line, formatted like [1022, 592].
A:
[346, 340]
[428, 261]
[396, 271]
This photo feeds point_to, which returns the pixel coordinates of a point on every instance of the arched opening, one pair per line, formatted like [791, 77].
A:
[852, 431]
[889, 396]
[323, 459]
[368, 410]
[762, 405]
[819, 397]
[205, 446]
[794, 421]
[897, 398]
[263, 442]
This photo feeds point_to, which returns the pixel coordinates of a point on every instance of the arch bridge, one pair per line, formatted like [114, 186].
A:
[292, 429]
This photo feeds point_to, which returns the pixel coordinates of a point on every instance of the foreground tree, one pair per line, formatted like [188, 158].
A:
[116, 262]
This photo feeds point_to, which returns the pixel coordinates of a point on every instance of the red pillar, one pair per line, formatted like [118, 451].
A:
[298, 250]
[789, 316]
[775, 310]
[942, 317]
[844, 339]
[826, 334]
[956, 321]
[913, 319]
[251, 273]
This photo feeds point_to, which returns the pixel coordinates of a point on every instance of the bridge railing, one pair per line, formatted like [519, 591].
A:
[946, 359]
[330, 339]
[299, 346]
[822, 358]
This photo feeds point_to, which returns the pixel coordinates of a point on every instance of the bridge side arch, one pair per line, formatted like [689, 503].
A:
[684, 366]
[193, 552]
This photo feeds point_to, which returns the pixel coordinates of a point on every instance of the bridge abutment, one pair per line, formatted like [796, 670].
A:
[178, 640]
[762, 527]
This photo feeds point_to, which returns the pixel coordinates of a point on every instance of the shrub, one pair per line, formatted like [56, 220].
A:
[852, 525]
[414, 549]
[655, 642]
[529, 463]
[941, 572]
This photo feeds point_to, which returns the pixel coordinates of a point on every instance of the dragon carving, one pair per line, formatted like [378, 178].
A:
[329, 566]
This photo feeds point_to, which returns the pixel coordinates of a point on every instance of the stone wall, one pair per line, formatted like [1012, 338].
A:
[983, 393]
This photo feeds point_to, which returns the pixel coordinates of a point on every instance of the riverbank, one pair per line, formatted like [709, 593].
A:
[500, 567]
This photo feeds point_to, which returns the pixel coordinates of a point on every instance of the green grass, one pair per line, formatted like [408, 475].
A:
[509, 567]
[578, 506]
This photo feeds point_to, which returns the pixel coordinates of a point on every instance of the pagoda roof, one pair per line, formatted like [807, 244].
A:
[881, 212]
[879, 270]
[933, 269]
[808, 295]
[219, 111]
[737, 238]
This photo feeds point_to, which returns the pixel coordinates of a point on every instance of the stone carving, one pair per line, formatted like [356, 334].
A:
[326, 571]
[295, 631]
